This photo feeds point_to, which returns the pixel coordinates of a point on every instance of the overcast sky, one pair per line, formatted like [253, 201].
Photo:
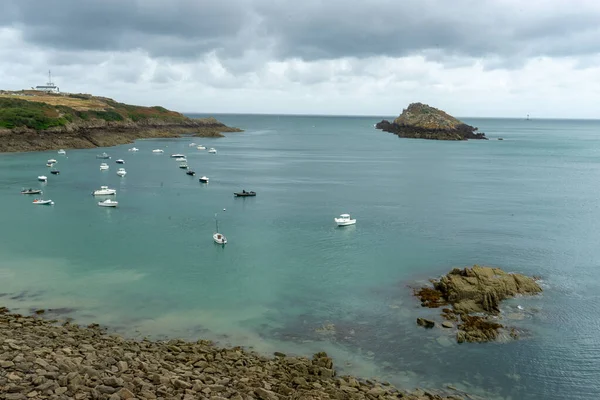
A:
[497, 58]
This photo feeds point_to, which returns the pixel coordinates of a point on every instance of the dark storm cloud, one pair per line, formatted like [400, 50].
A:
[311, 29]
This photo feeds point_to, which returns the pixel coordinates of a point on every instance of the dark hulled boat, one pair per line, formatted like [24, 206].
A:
[243, 193]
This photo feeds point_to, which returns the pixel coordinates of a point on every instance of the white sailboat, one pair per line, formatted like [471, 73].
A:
[219, 238]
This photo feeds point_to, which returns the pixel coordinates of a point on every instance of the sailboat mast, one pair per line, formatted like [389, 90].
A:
[216, 223]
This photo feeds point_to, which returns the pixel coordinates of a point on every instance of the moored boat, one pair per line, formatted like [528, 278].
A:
[219, 238]
[120, 161]
[177, 156]
[158, 151]
[43, 202]
[104, 191]
[62, 152]
[121, 172]
[52, 161]
[203, 179]
[181, 159]
[212, 150]
[55, 172]
[108, 203]
[190, 173]
[192, 144]
[31, 191]
[103, 156]
[344, 220]
[243, 193]
[200, 147]
[42, 178]
[134, 149]
[183, 165]
[104, 166]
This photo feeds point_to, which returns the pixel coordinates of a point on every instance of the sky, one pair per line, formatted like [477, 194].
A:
[471, 58]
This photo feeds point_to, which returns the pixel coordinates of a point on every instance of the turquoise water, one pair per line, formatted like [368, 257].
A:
[527, 204]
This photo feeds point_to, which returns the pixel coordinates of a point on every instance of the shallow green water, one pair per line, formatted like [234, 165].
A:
[528, 204]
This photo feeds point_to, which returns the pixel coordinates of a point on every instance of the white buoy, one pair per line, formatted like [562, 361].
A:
[224, 210]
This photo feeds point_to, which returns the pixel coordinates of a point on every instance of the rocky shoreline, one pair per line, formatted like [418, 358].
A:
[101, 133]
[40, 359]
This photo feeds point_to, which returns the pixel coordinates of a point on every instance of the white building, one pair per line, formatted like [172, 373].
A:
[49, 87]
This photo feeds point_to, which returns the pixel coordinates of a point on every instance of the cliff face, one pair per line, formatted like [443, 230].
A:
[35, 122]
[420, 121]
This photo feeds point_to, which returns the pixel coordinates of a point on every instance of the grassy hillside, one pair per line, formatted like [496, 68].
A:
[41, 111]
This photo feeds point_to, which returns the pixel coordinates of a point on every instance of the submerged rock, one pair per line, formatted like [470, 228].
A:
[420, 121]
[426, 323]
[477, 290]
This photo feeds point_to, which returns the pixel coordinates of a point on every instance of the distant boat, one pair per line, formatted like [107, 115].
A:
[200, 147]
[527, 117]
[133, 149]
[212, 150]
[192, 144]
[344, 220]
[42, 178]
[219, 238]
[181, 159]
[49, 164]
[243, 193]
[108, 203]
[190, 173]
[203, 179]
[103, 156]
[158, 151]
[55, 172]
[52, 161]
[31, 191]
[177, 156]
[43, 202]
[104, 191]
[104, 166]
[62, 152]
[121, 172]
[120, 161]
[183, 165]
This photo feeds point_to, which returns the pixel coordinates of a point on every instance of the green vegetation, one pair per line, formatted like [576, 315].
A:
[41, 112]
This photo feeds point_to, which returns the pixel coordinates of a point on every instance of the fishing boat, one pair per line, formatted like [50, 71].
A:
[203, 179]
[108, 203]
[120, 161]
[121, 172]
[31, 191]
[190, 173]
[219, 238]
[104, 167]
[103, 156]
[62, 152]
[55, 172]
[41, 202]
[243, 193]
[42, 178]
[104, 191]
[344, 220]
[212, 150]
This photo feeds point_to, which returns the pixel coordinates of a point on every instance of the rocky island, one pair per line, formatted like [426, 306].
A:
[35, 121]
[471, 297]
[42, 360]
[420, 121]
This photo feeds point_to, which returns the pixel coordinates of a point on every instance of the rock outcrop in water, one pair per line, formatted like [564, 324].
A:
[475, 295]
[39, 360]
[420, 121]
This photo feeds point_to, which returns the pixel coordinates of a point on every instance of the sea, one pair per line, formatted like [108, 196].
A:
[290, 280]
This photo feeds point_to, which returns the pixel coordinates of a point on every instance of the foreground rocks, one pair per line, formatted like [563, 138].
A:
[475, 295]
[420, 121]
[40, 360]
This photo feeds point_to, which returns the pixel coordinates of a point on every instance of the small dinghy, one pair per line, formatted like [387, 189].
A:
[134, 149]
[158, 151]
[42, 178]
[104, 167]
[212, 150]
[55, 172]
[120, 161]
[62, 152]
[31, 191]
[203, 179]
[121, 172]
[344, 220]
[52, 161]
[190, 173]
[108, 203]
[200, 147]
[41, 202]
[243, 193]
[177, 156]
[183, 165]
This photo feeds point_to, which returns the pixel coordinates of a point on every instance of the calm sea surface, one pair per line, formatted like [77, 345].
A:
[289, 280]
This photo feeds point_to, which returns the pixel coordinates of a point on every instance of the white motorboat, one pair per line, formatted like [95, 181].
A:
[344, 220]
[120, 161]
[134, 149]
[103, 156]
[121, 172]
[200, 147]
[62, 152]
[52, 161]
[212, 150]
[42, 178]
[104, 191]
[192, 144]
[181, 159]
[43, 202]
[177, 156]
[104, 166]
[108, 203]
[49, 164]
[183, 165]
[158, 151]
[203, 179]
[219, 238]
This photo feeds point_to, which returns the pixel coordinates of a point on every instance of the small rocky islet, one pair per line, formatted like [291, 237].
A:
[471, 298]
[421, 121]
[42, 360]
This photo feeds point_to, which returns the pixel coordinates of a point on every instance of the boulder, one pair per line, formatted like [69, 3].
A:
[426, 323]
